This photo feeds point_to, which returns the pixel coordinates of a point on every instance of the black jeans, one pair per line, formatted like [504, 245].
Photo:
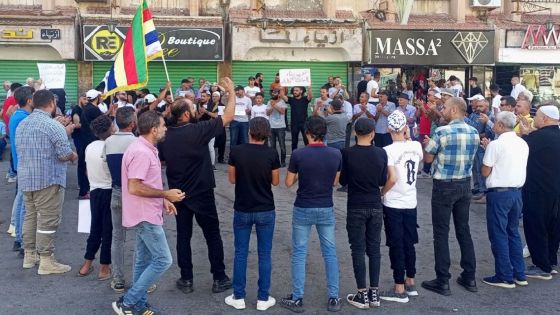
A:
[83, 181]
[382, 139]
[348, 135]
[401, 234]
[101, 231]
[220, 144]
[297, 128]
[452, 197]
[541, 223]
[279, 134]
[210, 225]
[364, 235]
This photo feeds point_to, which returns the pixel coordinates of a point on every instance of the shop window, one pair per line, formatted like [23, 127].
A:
[542, 81]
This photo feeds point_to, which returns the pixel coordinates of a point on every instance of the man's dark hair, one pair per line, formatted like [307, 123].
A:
[42, 98]
[258, 75]
[22, 94]
[376, 74]
[14, 86]
[494, 87]
[147, 121]
[364, 126]
[145, 91]
[101, 127]
[475, 79]
[185, 81]
[259, 128]
[316, 127]
[325, 88]
[453, 78]
[336, 104]
[124, 116]
[259, 94]
[510, 100]
[178, 108]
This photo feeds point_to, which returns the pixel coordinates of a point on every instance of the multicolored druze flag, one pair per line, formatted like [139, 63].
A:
[130, 70]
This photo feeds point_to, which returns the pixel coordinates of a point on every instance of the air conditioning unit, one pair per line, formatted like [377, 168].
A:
[486, 3]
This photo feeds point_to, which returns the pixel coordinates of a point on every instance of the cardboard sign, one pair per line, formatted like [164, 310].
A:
[240, 110]
[295, 77]
[84, 217]
[52, 74]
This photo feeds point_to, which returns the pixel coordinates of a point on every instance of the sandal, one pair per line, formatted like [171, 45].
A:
[85, 274]
[105, 277]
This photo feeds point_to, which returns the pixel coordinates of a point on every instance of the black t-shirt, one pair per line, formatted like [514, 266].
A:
[316, 166]
[76, 110]
[185, 150]
[364, 169]
[253, 164]
[475, 90]
[362, 87]
[208, 106]
[298, 108]
[542, 165]
[89, 113]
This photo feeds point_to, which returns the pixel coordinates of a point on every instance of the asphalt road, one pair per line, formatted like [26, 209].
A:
[24, 292]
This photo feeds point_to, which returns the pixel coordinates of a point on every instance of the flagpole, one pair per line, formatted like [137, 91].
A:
[167, 75]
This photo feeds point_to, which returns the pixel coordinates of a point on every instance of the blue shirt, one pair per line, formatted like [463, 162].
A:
[16, 118]
[482, 128]
[40, 144]
[382, 122]
[454, 147]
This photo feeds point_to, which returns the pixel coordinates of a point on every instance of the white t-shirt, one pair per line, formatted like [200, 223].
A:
[405, 156]
[103, 107]
[123, 104]
[325, 105]
[372, 87]
[240, 105]
[258, 111]
[369, 107]
[518, 88]
[507, 156]
[457, 89]
[348, 109]
[97, 170]
[252, 91]
[496, 101]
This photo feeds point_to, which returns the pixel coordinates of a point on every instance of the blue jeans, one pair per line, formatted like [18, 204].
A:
[242, 225]
[152, 259]
[337, 145]
[479, 181]
[502, 219]
[239, 133]
[3, 144]
[19, 207]
[302, 220]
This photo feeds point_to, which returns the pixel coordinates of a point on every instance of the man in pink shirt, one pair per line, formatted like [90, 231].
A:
[143, 203]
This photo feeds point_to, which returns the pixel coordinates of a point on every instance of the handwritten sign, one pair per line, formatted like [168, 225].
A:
[240, 110]
[221, 110]
[295, 77]
[52, 74]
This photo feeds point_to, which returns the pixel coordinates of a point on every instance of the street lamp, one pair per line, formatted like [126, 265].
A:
[112, 24]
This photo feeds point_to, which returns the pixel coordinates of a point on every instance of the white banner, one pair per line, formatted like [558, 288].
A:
[84, 216]
[295, 77]
[52, 74]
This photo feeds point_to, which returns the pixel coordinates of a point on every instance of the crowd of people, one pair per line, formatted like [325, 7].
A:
[497, 152]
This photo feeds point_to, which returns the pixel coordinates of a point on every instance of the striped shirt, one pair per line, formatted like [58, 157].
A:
[454, 147]
[41, 143]
[115, 146]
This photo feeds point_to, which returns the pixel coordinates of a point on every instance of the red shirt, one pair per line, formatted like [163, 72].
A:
[425, 122]
[9, 102]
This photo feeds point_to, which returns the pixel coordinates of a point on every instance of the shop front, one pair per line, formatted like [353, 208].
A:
[188, 52]
[533, 54]
[413, 56]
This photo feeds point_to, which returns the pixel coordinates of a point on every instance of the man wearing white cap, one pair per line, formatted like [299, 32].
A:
[541, 198]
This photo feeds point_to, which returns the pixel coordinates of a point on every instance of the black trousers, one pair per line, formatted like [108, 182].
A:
[220, 144]
[348, 135]
[279, 135]
[452, 198]
[401, 234]
[83, 181]
[101, 231]
[297, 128]
[541, 224]
[207, 219]
[364, 235]
[382, 139]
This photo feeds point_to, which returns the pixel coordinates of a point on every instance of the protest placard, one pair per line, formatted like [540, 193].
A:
[295, 77]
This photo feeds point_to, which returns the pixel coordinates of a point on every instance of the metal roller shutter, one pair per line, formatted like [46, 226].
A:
[156, 73]
[20, 70]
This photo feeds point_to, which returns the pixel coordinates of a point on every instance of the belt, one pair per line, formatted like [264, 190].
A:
[457, 180]
[502, 189]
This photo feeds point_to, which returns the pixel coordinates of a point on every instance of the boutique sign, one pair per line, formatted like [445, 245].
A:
[431, 47]
[178, 43]
[538, 37]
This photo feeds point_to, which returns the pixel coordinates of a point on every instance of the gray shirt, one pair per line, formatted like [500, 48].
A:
[382, 123]
[276, 119]
[336, 127]
[242, 104]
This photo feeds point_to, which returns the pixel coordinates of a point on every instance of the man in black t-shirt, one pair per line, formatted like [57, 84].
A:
[362, 85]
[189, 168]
[253, 168]
[298, 109]
[88, 114]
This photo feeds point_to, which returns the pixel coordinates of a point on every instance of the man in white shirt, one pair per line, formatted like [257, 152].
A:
[372, 89]
[322, 103]
[516, 87]
[399, 207]
[455, 86]
[123, 100]
[496, 98]
[239, 127]
[259, 109]
[504, 164]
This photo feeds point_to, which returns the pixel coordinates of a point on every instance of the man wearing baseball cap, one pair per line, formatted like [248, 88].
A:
[541, 200]
[399, 207]
[384, 109]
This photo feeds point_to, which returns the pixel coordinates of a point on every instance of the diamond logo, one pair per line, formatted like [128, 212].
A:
[469, 44]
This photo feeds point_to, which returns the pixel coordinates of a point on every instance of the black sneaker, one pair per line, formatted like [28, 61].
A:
[373, 297]
[334, 305]
[17, 246]
[186, 286]
[117, 285]
[391, 295]
[359, 300]
[122, 309]
[221, 285]
[21, 253]
[295, 306]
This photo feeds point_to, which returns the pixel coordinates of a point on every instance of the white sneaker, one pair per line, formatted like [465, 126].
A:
[11, 229]
[12, 179]
[554, 270]
[264, 305]
[526, 252]
[237, 304]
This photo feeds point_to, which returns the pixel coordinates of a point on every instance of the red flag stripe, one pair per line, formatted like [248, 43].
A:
[147, 14]
[129, 59]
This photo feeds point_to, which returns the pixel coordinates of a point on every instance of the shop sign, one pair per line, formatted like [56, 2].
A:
[18, 33]
[432, 47]
[178, 43]
[538, 37]
[50, 33]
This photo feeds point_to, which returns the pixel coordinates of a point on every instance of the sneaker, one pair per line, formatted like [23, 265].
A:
[186, 286]
[264, 305]
[238, 304]
[152, 288]
[289, 303]
[554, 270]
[411, 290]
[391, 295]
[537, 273]
[521, 281]
[343, 189]
[117, 285]
[122, 309]
[334, 305]
[373, 297]
[359, 300]
[12, 179]
[494, 281]
[11, 229]
[16, 247]
[221, 285]
[526, 253]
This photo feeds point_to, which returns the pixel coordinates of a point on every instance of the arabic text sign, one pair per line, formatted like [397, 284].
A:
[52, 74]
[295, 77]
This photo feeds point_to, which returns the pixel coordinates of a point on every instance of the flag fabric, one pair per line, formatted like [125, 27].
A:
[141, 44]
